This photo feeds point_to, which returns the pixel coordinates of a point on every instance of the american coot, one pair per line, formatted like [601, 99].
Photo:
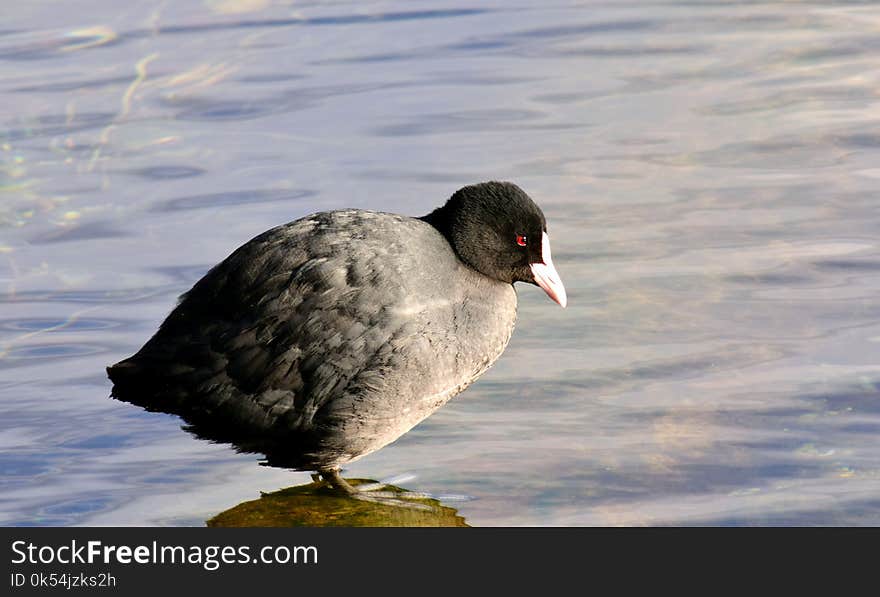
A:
[324, 339]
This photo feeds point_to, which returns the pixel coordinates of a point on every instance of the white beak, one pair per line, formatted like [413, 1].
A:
[546, 275]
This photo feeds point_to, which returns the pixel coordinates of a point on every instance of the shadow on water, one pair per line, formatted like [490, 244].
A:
[317, 505]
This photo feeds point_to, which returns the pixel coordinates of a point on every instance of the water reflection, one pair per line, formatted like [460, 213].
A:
[471, 121]
[169, 172]
[229, 198]
[52, 125]
[710, 171]
[316, 505]
[43, 45]
[88, 231]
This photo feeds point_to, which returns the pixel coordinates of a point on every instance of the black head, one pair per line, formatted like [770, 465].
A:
[498, 230]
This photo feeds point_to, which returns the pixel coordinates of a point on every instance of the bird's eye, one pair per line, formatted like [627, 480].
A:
[521, 240]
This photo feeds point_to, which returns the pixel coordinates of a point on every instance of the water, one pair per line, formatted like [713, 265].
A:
[709, 172]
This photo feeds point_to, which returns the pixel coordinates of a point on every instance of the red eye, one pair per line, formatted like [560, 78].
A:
[521, 240]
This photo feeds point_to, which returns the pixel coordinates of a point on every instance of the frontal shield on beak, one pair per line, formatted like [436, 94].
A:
[546, 275]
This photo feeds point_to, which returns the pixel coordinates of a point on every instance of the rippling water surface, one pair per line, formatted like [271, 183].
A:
[710, 175]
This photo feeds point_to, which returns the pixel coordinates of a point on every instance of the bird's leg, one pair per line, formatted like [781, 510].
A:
[332, 476]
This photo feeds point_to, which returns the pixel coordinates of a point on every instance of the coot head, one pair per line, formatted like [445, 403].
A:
[498, 230]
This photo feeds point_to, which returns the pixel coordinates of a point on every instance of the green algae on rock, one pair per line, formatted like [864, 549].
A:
[317, 505]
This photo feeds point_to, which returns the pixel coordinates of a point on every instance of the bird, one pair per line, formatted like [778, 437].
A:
[325, 339]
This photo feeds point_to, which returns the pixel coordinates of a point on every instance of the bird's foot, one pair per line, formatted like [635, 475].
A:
[373, 492]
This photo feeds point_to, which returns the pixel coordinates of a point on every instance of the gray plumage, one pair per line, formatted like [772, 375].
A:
[324, 339]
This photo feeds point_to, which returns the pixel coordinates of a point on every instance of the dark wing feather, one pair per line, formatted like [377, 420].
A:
[274, 330]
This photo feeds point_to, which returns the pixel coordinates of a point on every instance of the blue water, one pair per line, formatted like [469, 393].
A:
[709, 172]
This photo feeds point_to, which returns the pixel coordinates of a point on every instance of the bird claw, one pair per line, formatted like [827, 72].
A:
[373, 492]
